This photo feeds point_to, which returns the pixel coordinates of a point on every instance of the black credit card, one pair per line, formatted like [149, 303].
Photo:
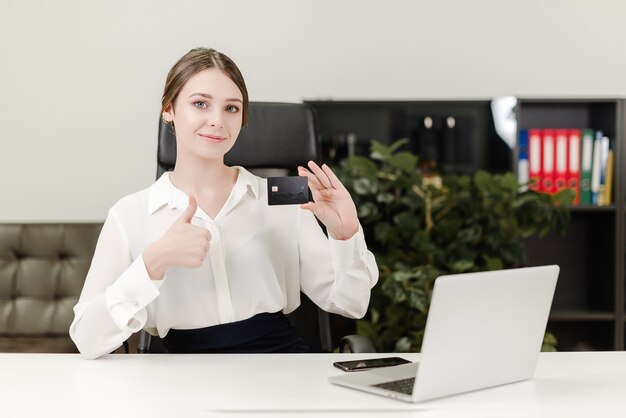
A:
[292, 190]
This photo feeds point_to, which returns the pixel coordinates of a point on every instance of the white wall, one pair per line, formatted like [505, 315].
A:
[80, 81]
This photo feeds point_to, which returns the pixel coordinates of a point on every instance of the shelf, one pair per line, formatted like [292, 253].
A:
[586, 256]
[467, 144]
[569, 101]
[591, 209]
[586, 309]
[590, 300]
[581, 316]
[598, 114]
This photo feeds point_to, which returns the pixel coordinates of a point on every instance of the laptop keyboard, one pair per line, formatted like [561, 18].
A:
[402, 386]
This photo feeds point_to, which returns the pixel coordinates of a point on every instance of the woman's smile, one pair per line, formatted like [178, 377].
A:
[212, 138]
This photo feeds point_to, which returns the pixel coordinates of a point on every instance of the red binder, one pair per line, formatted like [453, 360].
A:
[573, 163]
[534, 159]
[547, 159]
[560, 159]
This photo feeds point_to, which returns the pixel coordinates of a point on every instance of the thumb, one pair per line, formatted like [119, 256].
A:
[313, 208]
[187, 215]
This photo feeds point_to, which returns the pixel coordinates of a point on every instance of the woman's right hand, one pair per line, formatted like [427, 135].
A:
[182, 245]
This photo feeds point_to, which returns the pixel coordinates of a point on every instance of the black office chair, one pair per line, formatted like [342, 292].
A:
[277, 136]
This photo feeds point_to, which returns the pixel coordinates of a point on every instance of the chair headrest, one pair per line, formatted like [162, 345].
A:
[277, 135]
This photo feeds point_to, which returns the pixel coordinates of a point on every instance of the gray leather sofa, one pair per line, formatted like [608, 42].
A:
[42, 271]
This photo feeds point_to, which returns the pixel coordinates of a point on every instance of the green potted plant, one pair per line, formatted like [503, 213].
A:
[417, 232]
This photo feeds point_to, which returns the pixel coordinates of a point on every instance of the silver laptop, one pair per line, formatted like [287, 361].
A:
[483, 330]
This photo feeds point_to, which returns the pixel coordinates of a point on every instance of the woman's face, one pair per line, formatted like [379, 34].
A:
[207, 115]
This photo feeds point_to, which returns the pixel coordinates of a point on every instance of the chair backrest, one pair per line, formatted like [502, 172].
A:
[276, 136]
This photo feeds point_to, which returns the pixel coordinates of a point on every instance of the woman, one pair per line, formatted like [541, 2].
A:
[200, 259]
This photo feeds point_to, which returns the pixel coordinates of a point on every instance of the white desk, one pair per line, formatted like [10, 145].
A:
[57, 385]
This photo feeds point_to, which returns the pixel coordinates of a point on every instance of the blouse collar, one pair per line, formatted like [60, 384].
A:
[163, 192]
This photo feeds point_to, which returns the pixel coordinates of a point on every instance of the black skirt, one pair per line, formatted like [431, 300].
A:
[263, 333]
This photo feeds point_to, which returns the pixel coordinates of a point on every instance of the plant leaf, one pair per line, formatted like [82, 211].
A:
[405, 161]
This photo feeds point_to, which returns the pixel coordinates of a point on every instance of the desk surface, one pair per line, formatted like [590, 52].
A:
[285, 385]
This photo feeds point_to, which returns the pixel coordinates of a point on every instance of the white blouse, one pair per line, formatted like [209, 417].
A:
[260, 258]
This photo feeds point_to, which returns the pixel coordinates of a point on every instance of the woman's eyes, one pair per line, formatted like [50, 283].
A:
[203, 105]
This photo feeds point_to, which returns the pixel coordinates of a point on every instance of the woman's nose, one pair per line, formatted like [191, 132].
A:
[215, 118]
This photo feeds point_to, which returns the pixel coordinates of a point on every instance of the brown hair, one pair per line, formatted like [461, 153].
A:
[192, 63]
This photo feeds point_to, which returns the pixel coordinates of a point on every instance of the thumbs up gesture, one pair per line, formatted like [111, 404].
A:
[182, 245]
[187, 215]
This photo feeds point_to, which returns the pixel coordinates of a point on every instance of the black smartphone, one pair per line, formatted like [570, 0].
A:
[290, 190]
[357, 365]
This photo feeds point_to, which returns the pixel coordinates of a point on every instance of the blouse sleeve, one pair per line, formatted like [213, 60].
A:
[113, 301]
[337, 275]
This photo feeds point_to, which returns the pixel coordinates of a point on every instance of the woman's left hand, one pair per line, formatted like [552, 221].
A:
[332, 205]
